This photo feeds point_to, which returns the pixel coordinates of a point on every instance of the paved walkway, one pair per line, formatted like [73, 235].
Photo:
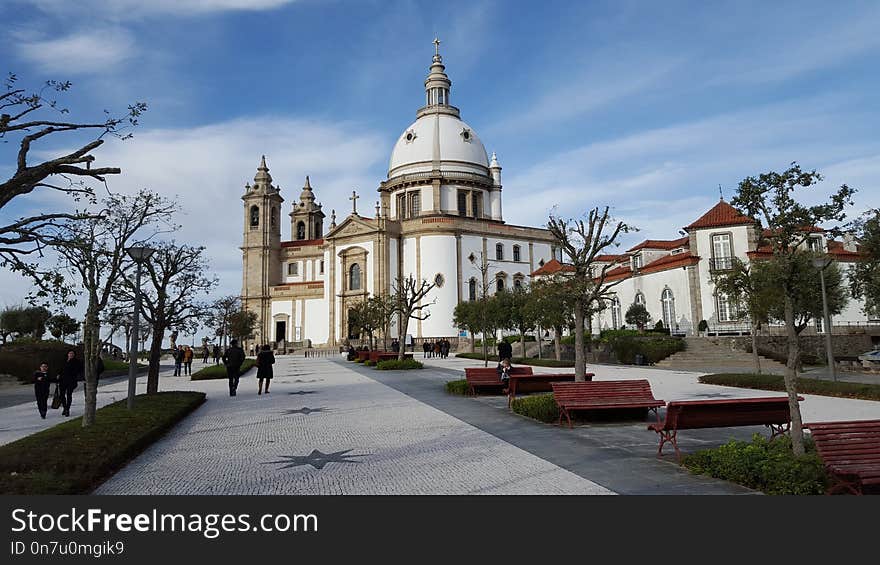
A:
[333, 427]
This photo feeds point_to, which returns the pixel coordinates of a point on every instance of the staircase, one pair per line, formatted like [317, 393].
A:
[716, 354]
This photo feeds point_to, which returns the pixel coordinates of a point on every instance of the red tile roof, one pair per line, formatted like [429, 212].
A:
[670, 262]
[667, 244]
[610, 258]
[835, 249]
[618, 273]
[722, 214]
[550, 267]
[302, 242]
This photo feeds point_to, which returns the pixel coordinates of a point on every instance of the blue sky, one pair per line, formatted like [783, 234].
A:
[643, 106]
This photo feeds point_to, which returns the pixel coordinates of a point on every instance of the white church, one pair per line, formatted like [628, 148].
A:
[438, 217]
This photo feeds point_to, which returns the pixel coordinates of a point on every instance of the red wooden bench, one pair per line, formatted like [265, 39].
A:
[850, 451]
[537, 382]
[363, 355]
[772, 412]
[376, 356]
[600, 395]
[488, 376]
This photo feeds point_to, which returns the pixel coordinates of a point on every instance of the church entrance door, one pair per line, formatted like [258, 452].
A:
[280, 331]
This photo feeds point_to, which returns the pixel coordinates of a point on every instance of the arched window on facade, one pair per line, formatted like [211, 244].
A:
[616, 318]
[668, 302]
[300, 230]
[472, 290]
[476, 199]
[517, 282]
[499, 284]
[319, 228]
[517, 254]
[640, 298]
[499, 251]
[725, 307]
[255, 216]
[354, 277]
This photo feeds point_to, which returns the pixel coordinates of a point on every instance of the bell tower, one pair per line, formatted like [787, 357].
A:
[306, 218]
[261, 251]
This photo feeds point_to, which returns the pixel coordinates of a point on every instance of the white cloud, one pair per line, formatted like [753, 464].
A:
[135, 9]
[90, 51]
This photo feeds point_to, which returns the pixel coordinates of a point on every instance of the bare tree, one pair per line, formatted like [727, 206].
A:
[177, 282]
[408, 295]
[28, 117]
[94, 250]
[581, 242]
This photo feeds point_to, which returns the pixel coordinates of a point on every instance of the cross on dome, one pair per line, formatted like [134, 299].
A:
[436, 45]
[354, 198]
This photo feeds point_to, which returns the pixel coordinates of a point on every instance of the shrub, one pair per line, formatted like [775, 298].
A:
[219, 371]
[22, 357]
[769, 466]
[652, 348]
[539, 407]
[840, 389]
[457, 387]
[369, 363]
[398, 365]
[515, 338]
[520, 360]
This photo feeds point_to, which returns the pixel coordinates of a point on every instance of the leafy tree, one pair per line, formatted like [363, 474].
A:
[487, 317]
[21, 321]
[806, 296]
[864, 276]
[242, 324]
[637, 315]
[751, 296]
[61, 325]
[771, 198]
[551, 309]
[465, 317]
[94, 250]
[219, 314]
[368, 316]
[409, 297]
[176, 282]
[29, 117]
[517, 314]
[581, 241]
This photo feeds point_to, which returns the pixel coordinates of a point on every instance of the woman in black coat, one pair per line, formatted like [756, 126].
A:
[69, 379]
[265, 360]
[41, 388]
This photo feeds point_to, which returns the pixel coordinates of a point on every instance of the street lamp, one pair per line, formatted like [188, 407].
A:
[138, 255]
[822, 263]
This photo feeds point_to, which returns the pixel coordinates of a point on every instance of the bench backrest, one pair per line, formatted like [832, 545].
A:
[574, 392]
[470, 372]
[852, 441]
[692, 414]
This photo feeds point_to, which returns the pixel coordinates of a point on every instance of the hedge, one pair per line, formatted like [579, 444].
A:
[70, 459]
[653, 349]
[219, 371]
[398, 365]
[541, 407]
[22, 359]
[459, 387]
[839, 389]
[520, 360]
[769, 466]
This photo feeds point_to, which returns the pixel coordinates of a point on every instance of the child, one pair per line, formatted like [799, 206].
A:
[504, 372]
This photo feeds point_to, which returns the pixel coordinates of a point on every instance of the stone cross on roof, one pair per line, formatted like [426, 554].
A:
[354, 202]
[436, 43]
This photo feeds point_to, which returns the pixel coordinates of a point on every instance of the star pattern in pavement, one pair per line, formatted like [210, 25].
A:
[316, 459]
[305, 411]
[303, 392]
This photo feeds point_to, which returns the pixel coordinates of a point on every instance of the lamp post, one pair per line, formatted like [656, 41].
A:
[138, 255]
[822, 263]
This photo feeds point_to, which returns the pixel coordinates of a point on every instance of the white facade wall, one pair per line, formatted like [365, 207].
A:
[438, 257]
[494, 207]
[316, 326]
[740, 243]
[286, 308]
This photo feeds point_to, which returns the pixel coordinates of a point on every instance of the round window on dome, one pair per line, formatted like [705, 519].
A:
[466, 134]
[410, 136]
[439, 280]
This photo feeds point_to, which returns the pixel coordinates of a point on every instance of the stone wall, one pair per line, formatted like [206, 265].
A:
[812, 346]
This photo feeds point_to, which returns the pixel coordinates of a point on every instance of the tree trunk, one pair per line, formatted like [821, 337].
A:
[485, 349]
[403, 323]
[91, 350]
[522, 342]
[755, 356]
[791, 369]
[580, 365]
[557, 342]
[155, 355]
[473, 341]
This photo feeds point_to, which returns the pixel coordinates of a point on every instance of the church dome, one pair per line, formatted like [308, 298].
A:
[438, 139]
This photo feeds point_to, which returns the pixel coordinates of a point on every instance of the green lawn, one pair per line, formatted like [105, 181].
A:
[219, 371]
[804, 385]
[70, 459]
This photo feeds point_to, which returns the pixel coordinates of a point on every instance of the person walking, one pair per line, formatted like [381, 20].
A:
[206, 352]
[265, 360]
[71, 373]
[188, 355]
[233, 359]
[178, 360]
[216, 353]
[395, 346]
[444, 348]
[505, 351]
[42, 381]
[437, 348]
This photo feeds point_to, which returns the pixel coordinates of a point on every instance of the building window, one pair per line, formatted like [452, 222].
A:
[517, 283]
[636, 262]
[499, 252]
[724, 307]
[401, 206]
[640, 299]
[721, 246]
[668, 302]
[354, 277]
[616, 319]
[319, 228]
[499, 285]
[293, 269]
[541, 263]
[462, 203]
[255, 216]
[322, 267]
[517, 256]
[814, 244]
[439, 281]
[472, 290]
[415, 204]
[475, 204]
[301, 230]
[272, 219]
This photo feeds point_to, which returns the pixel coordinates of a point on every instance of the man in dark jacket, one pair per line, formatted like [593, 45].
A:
[41, 388]
[505, 350]
[71, 373]
[233, 359]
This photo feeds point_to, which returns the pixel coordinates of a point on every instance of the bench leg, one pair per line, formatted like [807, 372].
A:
[671, 437]
[564, 412]
[843, 485]
[778, 430]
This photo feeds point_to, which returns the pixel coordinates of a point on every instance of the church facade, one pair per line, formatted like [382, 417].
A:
[438, 217]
